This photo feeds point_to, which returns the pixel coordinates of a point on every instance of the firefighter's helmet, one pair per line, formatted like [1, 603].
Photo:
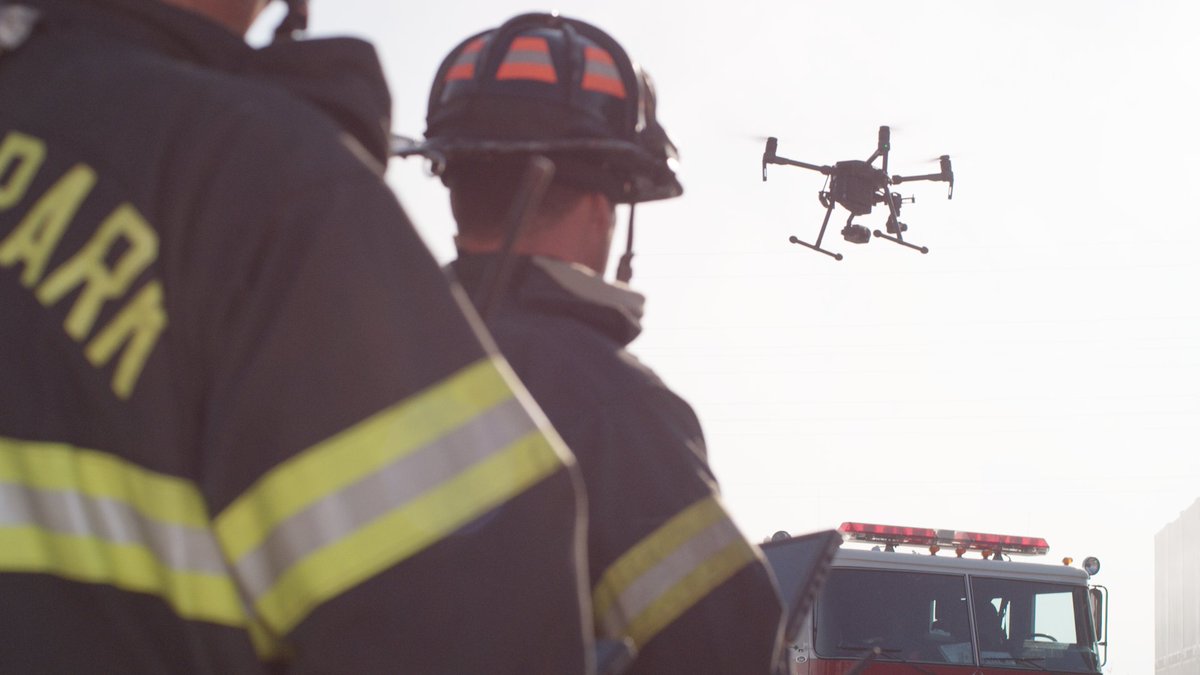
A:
[546, 84]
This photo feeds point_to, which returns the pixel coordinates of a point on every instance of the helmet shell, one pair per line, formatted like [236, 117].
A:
[545, 84]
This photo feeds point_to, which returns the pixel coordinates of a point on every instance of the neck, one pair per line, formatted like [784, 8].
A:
[579, 232]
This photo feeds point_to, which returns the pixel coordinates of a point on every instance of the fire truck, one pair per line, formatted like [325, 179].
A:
[944, 602]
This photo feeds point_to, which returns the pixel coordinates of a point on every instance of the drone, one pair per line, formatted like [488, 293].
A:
[857, 186]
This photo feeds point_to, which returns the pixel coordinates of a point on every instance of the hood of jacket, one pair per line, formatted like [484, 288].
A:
[553, 287]
[341, 77]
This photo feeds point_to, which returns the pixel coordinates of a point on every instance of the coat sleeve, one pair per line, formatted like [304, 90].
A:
[387, 497]
[672, 573]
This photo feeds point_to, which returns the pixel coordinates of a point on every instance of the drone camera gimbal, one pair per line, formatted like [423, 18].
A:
[858, 186]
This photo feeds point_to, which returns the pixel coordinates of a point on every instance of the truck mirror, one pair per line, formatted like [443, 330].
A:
[1096, 596]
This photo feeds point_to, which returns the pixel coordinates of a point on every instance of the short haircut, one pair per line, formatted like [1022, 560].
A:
[481, 195]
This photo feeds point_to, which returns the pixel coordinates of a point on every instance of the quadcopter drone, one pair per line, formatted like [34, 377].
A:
[858, 185]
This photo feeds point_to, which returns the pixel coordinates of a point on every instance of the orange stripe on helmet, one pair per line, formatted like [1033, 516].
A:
[475, 45]
[603, 84]
[461, 71]
[540, 72]
[464, 66]
[598, 54]
[529, 43]
[528, 58]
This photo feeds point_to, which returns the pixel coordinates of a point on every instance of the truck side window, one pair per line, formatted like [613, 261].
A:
[1021, 622]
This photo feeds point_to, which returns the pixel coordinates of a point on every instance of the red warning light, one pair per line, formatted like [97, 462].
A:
[1000, 542]
[959, 541]
[890, 534]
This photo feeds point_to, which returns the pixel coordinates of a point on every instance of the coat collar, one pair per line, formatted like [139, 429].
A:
[340, 76]
[560, 288]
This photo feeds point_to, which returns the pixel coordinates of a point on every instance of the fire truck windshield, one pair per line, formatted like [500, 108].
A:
[923, 617]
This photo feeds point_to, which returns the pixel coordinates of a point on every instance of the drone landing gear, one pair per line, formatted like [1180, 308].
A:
[820, 236]
[898, 240]
[815, 247]
[894, 226]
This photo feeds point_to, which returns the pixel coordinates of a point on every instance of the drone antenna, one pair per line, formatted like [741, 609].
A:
[885, 145]
[948, 173]
[769, 155]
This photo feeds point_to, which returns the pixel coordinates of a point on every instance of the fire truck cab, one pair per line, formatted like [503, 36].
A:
[903, 608]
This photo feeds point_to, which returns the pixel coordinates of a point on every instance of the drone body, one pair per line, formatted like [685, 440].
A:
[857, 186]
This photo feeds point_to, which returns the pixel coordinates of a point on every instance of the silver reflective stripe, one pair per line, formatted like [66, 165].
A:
[643, 592]
[179, 547]
[466, 58]
[391, 487]
[468, 55]
[593, 67]
[528, 56]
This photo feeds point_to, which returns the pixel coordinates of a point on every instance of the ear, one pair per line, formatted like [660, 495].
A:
[601, 210]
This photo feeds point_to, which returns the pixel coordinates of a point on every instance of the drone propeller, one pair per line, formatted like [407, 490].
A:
[402, 146]
[935, 159]
[753, 138]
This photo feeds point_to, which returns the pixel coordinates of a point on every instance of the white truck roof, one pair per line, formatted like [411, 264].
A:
[972, 564]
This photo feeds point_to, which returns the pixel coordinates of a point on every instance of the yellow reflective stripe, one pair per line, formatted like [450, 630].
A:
[648, 552]
[669, 571]
[203, 597]
[406, 530]
[343, 459]
[690, 590]
[92, 517]
[55, 466]
[193, 596]
[377, 493]
[266, 645]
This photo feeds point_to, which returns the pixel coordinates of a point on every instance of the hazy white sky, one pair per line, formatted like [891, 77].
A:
[1036, 373]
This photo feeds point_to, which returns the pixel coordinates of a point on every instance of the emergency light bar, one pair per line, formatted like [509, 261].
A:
[989, 544]
[996, 543]
[890, 534]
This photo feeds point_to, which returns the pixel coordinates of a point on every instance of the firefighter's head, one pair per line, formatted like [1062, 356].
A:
[571, 223]
[547, 85]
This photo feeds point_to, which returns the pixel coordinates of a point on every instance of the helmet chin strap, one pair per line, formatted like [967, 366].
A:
[294, 22]
[625, 266]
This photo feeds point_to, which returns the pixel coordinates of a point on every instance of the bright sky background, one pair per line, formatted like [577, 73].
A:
[1036, 373]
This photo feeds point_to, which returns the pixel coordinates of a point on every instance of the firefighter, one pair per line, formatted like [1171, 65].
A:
[671, 574]
[245, 423]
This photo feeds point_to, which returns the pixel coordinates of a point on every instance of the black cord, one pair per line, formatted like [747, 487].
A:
[294, 22]
[625, 267]
[538, 173]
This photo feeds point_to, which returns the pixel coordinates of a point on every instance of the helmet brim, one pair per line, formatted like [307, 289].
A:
[649, 179]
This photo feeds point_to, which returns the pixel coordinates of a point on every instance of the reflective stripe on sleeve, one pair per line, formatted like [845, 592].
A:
[92, 517]
[382, 491]
[668, 572]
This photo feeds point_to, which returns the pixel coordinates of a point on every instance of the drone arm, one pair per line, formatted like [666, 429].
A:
[896, 180]
[770, 157]
[946, 175]
[803, 165]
